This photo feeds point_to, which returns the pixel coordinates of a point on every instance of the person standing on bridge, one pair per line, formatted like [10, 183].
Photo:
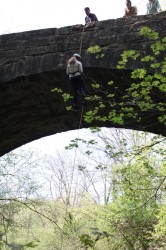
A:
[153, 7]
[90, 18]
[74, 70]
[130, 10]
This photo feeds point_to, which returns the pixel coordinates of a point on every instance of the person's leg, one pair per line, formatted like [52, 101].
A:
[75, 94]
[82, 89]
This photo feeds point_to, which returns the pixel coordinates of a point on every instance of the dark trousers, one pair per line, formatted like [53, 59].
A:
[77, 83]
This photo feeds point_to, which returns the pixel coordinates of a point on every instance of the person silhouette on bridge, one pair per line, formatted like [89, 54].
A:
[130, 10]
[153, 7]
[90, 18]
[75, 70]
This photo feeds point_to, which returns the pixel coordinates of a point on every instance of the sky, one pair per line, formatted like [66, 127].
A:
[24, 15]
[51, 144]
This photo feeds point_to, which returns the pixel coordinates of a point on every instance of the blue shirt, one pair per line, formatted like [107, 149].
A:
[153, 7]
[91, 18]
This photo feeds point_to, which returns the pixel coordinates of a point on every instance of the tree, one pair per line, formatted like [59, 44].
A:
[142, 97]
[128, 172]
[17, 179]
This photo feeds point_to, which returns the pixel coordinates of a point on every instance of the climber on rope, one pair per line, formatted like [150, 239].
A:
[130, 10]
[90, 18]
[75, 70]
[153, 7]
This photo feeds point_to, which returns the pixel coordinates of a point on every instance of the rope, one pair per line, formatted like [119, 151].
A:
[81, 39]
[82, 110]
[90, 78]
[80, 49]
[85, 26]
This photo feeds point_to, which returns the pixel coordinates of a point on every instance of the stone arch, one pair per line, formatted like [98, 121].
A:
[32, 63]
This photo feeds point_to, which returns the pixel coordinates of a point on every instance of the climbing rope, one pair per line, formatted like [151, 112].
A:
[82, 111]
[82, 33]
[80, 49]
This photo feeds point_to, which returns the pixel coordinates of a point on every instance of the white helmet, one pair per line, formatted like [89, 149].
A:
[77, 55]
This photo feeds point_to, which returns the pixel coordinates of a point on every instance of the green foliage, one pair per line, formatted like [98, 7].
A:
[132, 217]
[148, 33]
[58, 90]
[87, 241]
[66, 96]
[96, 50]
[1, 244]
[141, 97]
[90, 116]
[159, 238]
[126, 55]
[138, 73]
[134, 210]
[30, 244]
[96, 86]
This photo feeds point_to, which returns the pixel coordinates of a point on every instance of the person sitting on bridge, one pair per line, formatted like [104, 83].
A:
[90, 18]
[74, 70]
[130, 10]
[153, 7]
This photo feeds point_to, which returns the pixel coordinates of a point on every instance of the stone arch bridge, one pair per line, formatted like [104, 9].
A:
[32, 63]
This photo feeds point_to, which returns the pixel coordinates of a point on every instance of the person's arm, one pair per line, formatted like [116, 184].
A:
[80, 68]
[125, 13]
[95, 17]
[135, 11]
[147, 6]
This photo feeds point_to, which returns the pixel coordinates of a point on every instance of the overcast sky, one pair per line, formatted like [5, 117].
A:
[23, 15]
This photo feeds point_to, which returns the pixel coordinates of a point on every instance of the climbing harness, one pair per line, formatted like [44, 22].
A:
[73, 74]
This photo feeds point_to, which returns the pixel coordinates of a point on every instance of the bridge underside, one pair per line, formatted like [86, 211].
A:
[29, 110]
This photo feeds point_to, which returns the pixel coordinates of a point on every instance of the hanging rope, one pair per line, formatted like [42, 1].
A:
[82, 109]
[82, 33]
